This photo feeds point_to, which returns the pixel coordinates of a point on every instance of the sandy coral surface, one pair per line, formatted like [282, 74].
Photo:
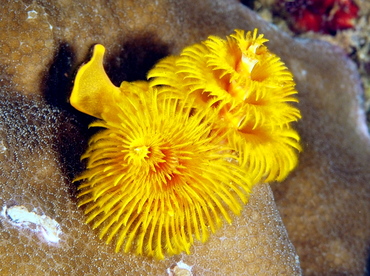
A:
[323, 206]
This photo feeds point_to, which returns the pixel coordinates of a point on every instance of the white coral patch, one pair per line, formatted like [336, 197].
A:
[3, 148]
[180, 269]
[48, 228]
[32, 14]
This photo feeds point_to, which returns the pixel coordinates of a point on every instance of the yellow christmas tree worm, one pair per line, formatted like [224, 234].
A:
[178, 154]
[158, 174]
[253, 88]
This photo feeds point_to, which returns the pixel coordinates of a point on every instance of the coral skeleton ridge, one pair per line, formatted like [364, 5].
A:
[179, 154]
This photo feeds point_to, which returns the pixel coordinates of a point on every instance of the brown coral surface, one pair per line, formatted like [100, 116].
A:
[324, 204]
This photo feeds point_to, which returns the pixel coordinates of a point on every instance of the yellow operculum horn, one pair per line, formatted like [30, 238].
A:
[93, 93]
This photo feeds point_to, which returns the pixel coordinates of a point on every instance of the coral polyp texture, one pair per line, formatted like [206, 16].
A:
[179, 154]
[325, 16]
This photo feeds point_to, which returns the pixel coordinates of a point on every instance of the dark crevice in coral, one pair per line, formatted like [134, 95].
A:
[248, 3]
[135, 58]
[367, 268]
[58, 81]
[72, 132]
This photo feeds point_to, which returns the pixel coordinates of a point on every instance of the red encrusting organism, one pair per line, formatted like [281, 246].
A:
[325, 16]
